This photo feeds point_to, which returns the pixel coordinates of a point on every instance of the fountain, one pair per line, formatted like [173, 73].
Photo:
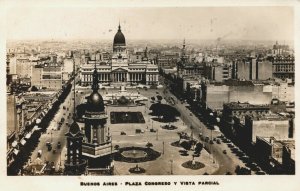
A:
[124, 98]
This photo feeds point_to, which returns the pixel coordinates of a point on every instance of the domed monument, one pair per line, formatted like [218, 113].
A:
[97, 145]
[120, 67]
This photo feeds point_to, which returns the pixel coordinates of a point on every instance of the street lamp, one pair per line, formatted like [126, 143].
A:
[51, 135]
[171, 166]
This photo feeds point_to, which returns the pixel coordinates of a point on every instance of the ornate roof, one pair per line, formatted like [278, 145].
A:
[95, 100]
[119, 38]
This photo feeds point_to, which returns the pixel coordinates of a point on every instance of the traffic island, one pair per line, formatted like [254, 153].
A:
[169, 127]
[136, 154]
[175, 144]
[137, 170]
[194, 165]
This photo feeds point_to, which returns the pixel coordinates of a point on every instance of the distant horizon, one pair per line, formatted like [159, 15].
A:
[201, 23]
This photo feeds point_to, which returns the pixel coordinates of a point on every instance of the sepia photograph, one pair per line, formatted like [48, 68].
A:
[106, 92]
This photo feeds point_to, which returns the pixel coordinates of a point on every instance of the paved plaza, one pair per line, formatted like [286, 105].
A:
[161, 140]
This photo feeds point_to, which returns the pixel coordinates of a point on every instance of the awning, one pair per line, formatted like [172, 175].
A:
[38, 121]
[14, 144]
[23, 141]
[16, 151]
[28, 135]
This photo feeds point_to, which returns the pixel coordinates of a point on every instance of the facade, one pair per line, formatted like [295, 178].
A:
[234, 113]
[214, 95]
[47, 76]
[270, 125]
[253, 68]
[284, 91]
[218, 72]
[119, 69]
[276, 154]
[283, 67]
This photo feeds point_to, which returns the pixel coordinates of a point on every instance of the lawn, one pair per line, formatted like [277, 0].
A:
[126, 117]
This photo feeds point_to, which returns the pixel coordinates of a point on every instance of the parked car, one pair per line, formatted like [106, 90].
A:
[58, 145]
[49, 147]
[39, 154]
[225, 152]
[218, 141]
[123, 133]
[211, 142]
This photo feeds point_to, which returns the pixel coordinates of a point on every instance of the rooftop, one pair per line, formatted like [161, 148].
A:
[245, 105]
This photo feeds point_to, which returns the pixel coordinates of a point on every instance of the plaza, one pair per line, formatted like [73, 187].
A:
[170, 161]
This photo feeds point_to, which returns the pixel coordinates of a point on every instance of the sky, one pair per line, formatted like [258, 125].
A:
[242, 23]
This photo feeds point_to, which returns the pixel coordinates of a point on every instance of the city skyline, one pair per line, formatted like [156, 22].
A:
[201, 23]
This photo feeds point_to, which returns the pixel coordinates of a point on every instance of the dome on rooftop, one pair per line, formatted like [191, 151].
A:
[95, 102]
[119, 38]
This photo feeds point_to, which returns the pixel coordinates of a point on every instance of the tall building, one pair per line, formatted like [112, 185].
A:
[47, 76]
[253, 68]
[283, 67]
[119, 69]
[97, 144]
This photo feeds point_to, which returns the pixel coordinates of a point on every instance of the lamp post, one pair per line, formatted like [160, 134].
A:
[152, 124]
[171, 166]
[51, 134]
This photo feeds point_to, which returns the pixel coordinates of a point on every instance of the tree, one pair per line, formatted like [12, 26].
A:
[159, 98]
[186, 145]
[148, 145]
[34, 89]
[168, 112]
[153, 99]
[198, 148]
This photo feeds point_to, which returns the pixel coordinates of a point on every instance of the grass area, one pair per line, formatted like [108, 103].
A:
[126, 117]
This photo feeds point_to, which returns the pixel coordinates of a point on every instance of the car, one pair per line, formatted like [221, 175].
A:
[123, 133]
[218, 141]
[39, 154]
[48, 144]
[211, 142]
[225, 152]
[58, 145]
[49, 147]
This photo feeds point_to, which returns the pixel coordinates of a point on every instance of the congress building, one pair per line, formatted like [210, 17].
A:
[119, 69]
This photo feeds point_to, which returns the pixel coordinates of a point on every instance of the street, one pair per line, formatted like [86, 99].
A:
[55, 135]
[227, 162]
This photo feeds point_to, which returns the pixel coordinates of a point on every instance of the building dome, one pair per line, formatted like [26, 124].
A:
[119, 38]
[95, 102]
